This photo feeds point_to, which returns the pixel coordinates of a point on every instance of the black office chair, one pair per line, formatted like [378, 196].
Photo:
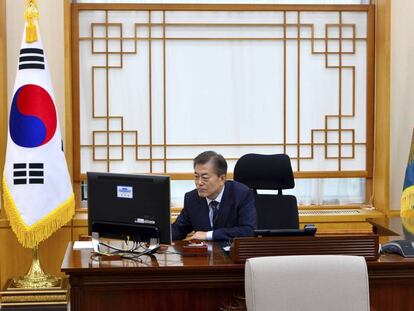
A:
[270, 172]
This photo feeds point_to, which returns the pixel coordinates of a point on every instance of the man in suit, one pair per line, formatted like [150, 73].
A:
[217, 209]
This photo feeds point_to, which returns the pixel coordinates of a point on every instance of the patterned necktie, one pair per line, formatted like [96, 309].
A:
[213, 206]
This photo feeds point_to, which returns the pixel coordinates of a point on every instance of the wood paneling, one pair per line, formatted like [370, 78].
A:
[75, 97]
[68, 87]
[365, 245]
[15, 260]
[3, 99]
[344, 227]
[3, 83]
[216, 7]
[353, 174]
[381, 187]
[77, 232]
[370, 91]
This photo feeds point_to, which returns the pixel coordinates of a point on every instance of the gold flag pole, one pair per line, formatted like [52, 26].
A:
[36, 277]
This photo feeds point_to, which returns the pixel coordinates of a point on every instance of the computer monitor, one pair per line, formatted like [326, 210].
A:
[134, 207]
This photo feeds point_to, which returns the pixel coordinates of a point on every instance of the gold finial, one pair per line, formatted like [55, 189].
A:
[31, 13]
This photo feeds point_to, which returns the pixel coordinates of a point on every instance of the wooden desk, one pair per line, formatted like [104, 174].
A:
[160, 282]
[172, 282]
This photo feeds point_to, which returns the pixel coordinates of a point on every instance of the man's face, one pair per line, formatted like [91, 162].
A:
[207, 182]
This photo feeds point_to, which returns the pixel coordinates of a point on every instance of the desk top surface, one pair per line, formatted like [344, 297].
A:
[168, 257]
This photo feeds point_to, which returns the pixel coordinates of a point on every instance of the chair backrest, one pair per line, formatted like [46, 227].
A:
[265, 171]
[311, 283]
[276, 211]
[270, 172]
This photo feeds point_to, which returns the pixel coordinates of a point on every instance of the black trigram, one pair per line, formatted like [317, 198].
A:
[34, 174]
[31, 58]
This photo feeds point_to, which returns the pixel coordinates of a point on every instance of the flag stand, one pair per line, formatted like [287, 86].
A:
[36, 277]
[36, 289]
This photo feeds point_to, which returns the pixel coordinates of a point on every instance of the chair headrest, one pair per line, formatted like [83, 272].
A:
[260, 171]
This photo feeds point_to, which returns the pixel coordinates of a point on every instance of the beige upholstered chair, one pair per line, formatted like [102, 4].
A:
[307, 283]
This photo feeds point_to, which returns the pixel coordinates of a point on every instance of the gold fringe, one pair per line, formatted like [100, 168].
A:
[407, 202]
[30, 236]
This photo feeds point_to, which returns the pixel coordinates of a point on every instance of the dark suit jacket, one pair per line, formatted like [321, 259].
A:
[236, 214]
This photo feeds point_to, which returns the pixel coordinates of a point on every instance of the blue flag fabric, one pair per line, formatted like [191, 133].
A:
[407, 199]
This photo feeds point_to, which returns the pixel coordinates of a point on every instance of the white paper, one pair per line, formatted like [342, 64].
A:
[82, 245]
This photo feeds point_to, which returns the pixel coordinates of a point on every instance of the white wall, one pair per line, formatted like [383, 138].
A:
[52, 30]
[402, 93]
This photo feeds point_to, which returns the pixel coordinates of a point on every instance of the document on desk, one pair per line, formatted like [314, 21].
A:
[82, 245]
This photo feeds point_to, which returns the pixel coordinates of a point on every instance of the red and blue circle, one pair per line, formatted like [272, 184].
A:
[32, 117]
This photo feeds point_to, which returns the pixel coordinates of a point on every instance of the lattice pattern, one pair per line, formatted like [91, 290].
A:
[108, 41]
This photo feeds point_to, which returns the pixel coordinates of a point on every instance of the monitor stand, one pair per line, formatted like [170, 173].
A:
[152, 248]
[95, 242]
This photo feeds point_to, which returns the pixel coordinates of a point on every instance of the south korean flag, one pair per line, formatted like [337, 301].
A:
[38, 195]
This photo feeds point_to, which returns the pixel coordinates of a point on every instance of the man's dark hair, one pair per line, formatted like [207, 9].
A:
[218, 161]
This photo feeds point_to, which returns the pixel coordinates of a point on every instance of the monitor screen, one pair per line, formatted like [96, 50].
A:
[135, 207]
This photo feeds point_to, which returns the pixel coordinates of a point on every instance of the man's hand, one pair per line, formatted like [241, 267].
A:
[198, 235]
